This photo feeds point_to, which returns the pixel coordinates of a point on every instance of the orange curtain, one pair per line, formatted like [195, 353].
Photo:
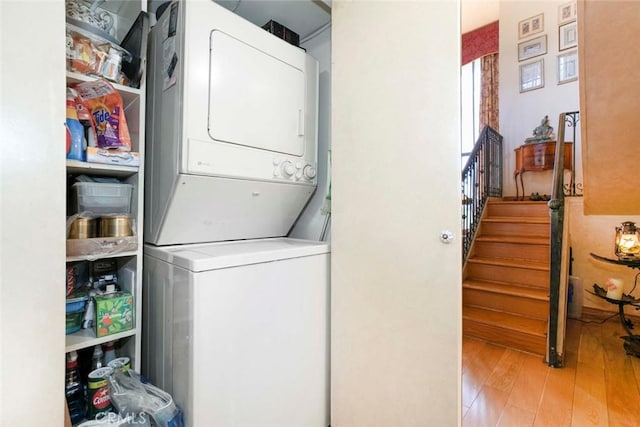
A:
[489, 100]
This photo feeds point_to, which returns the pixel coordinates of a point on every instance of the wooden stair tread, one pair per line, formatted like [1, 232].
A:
[510, 262]
[508, 289]
[504, 320]
[525, 240]
[519, 219]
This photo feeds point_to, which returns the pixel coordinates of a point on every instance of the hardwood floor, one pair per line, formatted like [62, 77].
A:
[599, 385]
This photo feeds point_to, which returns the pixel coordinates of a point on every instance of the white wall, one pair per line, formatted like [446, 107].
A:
[312, 220]
[520, 113]
[32, 213]
[396, 295]
[478, 13]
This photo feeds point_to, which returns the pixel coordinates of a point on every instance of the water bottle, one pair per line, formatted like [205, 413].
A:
[74, 389]
[88, 318]
[97, 360]
[109, 352]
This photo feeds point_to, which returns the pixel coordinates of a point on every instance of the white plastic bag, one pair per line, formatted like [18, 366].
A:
[133, 398]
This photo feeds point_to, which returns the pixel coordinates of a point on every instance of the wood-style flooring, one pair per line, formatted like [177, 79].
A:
[599, 385]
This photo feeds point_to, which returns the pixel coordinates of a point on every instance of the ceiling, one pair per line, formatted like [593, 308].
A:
[476, 13]
[302, 16]
[306, 16]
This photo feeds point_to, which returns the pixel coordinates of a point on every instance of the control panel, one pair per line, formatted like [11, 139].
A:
[287, 170]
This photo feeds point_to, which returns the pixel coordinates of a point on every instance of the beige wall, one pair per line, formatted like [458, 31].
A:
[396, 303]
[520, 113]
[610, 98]
[595, 233]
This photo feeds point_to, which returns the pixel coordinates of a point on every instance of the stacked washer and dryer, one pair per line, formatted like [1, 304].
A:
[235, 316]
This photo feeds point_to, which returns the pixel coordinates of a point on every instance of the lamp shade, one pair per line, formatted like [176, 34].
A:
[627, 242]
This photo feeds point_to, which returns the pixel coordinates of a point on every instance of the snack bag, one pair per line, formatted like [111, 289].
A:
[107, 114]
[82, 56]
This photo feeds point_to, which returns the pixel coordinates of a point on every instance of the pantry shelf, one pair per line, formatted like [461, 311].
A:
[101, 256]
[87, 338]
[74, 77]
[78, 167]
[119, 257]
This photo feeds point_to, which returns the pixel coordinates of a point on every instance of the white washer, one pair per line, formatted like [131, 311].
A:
[238, 332]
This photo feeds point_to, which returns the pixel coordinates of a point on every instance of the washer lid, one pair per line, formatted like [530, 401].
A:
[213, 256]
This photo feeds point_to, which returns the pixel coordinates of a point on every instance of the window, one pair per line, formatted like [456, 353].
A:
[470, 104]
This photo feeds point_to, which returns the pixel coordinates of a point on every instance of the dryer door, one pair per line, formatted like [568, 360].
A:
[255, 99]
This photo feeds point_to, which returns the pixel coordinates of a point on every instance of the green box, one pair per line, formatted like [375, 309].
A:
[114, 313]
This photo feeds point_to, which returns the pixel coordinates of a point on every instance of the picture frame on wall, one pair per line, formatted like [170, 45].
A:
[568, 36]
[532, 75]
[567, 12]
[532, 48]
[531, 26]
[568, 67]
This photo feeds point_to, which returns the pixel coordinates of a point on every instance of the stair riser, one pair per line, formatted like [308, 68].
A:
[514, 229]
[538, 278]
[511, 250]
[517, 210]
[523, 306]
[505, 337]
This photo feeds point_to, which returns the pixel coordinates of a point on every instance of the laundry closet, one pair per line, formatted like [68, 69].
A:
[192, 151]
[236, 315]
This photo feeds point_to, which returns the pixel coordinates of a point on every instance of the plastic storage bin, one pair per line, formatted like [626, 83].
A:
[102, 198]
[75, 311]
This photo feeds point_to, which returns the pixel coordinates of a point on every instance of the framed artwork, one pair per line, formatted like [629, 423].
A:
[532, 48]
[531, 26]
[532, 75]
[568, 36]
[568, 67]
[567, 12]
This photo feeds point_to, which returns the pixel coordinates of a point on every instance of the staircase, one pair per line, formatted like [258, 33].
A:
[505, 290]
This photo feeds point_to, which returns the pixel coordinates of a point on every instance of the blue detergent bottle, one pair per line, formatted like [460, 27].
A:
[78, 149]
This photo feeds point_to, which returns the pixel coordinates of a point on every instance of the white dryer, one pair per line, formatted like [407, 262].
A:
[231, 131]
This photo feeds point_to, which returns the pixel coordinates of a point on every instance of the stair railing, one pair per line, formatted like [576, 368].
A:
[556, 207]
[481, 179]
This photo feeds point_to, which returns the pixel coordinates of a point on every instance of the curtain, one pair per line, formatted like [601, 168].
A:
[480, 42]
[489, 107]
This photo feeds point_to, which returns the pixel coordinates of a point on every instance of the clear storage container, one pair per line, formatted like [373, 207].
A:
[102, 198]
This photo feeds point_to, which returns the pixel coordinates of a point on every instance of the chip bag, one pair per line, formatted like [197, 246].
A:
[107, 114]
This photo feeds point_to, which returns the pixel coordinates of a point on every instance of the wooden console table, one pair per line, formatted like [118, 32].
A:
[539, 156]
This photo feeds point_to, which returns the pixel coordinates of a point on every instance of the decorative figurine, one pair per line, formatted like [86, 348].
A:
[541, 133]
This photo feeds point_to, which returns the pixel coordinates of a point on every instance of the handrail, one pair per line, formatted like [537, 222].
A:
[556, 206]
[481, 179]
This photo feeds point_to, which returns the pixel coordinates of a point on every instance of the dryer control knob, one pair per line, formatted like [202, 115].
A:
[288, 169]
[309, 172]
